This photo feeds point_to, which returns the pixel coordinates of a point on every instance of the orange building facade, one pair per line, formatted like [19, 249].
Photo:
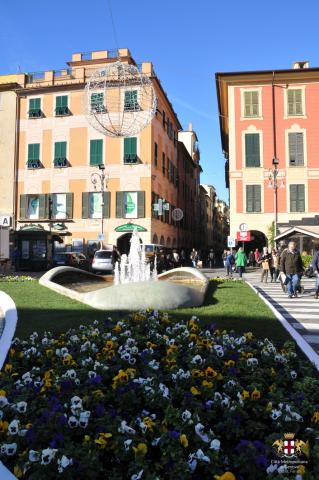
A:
[58, 151]
[269, 128]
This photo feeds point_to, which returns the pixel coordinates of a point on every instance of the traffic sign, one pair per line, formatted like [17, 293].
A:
[243, 227]
[243, 236]
[177, 214]
[231, 242]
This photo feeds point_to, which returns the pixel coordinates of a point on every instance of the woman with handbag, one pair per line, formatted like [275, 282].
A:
[265, 261]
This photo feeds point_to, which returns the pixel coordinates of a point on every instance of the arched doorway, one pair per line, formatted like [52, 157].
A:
[123, 243]
[258, 240]
[155, 238]
[162, 241]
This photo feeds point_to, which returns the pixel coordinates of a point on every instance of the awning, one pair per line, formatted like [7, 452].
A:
[129, 227]
[311, 231]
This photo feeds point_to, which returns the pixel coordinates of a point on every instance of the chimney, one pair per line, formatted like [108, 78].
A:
[300, 65]
[190, 127]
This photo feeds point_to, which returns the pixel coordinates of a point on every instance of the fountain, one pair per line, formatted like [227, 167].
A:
[134, 267]
[133, 287]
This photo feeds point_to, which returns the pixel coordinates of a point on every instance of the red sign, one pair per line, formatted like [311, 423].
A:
[243, 236]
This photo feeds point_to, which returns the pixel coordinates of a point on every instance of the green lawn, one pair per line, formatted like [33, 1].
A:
[228, 305]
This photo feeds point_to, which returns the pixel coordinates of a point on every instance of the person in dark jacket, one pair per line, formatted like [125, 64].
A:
[291, 265]
[315, 266]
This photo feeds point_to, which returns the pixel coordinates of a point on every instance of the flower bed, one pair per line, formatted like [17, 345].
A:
[16, 278]
[147, 398]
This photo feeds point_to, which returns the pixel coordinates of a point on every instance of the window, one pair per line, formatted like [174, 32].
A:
[251, 104]
[296, 149]
[130, 101]
[34, 207]
[97, 102]
[61, 106]
[163, 163]
[163, 119]
[96, 152]
[253, 198]
[34, 155]
[297, 198]
[60, 154]
[94, 204]
[130, 204]
[130, 150]
[252, 150]
[62, 206]
[155, 154]
[294, 102]
[35, 108]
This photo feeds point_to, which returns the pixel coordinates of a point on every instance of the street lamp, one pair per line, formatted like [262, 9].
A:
[275, 181]
[100, 179]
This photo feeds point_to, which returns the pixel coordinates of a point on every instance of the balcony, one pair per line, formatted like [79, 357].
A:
[62, 111]
[131, 107]
[33, 164]
[35, 113]
[60, 162]
[130, 159]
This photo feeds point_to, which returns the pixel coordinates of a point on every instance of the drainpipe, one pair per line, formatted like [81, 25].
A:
[16, 160]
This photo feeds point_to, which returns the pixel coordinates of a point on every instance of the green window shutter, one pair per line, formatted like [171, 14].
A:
[253, 198]
[61, 101]
[33, 152]
[106, 204]
[141, 204]
[23, 206]
[85, 204]
[293, 198]
[97, 101]
[43, 206]
[69, 205]
[96, 152]
[296, 148]
[130, 149]
[297, 198]
[252, 150]
[119, 204]
[35, 104]
[60, 150]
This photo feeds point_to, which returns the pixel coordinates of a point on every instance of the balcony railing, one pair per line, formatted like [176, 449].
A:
[131, 107]
[130, 158]
[35, 113]
[60, 162]
[33, 164]
[62, 111]
[35, 77]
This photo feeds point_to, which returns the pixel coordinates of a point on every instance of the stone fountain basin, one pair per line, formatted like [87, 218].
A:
[177, 288]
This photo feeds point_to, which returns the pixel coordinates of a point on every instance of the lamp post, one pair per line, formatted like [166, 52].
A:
[100, 179]
[275, 181]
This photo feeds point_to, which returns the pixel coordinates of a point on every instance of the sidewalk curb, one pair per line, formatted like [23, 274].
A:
[301, 342]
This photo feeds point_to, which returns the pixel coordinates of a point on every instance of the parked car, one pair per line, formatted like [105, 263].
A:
[102, 261]
[71, 259]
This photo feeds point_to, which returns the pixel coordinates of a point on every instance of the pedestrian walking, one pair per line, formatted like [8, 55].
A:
[241, 261]
[315, 266]
[265, 261]
[257, 256]
[274, 268]
[183, 258]
[251, 259]
[194, 257]
[176, 259]
[292, 268]
[230, 260]
[224, 255]
[211, 258]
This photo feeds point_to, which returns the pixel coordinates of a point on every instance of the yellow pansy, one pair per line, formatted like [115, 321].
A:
[86, 439]
[102, 439]
[207, 384]
[3, 393]
[301, 470]
[3, 426]
[229, 363]
[226, 476]
[197, 373]
[183, 440]
[149, 423]
[245, 394]
[17, 471]
[315, 417]
[140, 450]
[195, 391]
[255, 394]
[8, 368]
[210, 372]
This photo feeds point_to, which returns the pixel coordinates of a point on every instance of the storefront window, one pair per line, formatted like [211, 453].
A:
[130, 205]
[95, 205]
[59, 206]
[33, 207]
[39, 249]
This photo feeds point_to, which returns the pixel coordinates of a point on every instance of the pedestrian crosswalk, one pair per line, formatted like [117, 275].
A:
[302, 313]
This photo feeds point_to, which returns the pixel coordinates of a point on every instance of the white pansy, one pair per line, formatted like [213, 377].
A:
[186, 416]
[34, 456]
[47, 455]
[293, 374]
[3, 401]
[84, 418]
[275, 414]
[124, 428]
[165, 391]
[272, 468]
[199, 430]
[197, 360]
[192, 463]
[156, 441]
[21, 407]
[13, 427]
[219, 350]
[137, 476]
[63, 463]
[127, 444]
[154, 365]
[73, 422]
[252, 362]
[199, 455]
[9, 449]
[215, 444]
[71, 373]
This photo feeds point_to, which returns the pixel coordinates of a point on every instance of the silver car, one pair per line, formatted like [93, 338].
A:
[102, 261]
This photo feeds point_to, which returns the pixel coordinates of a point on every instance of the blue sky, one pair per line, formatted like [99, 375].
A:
[187, 41]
